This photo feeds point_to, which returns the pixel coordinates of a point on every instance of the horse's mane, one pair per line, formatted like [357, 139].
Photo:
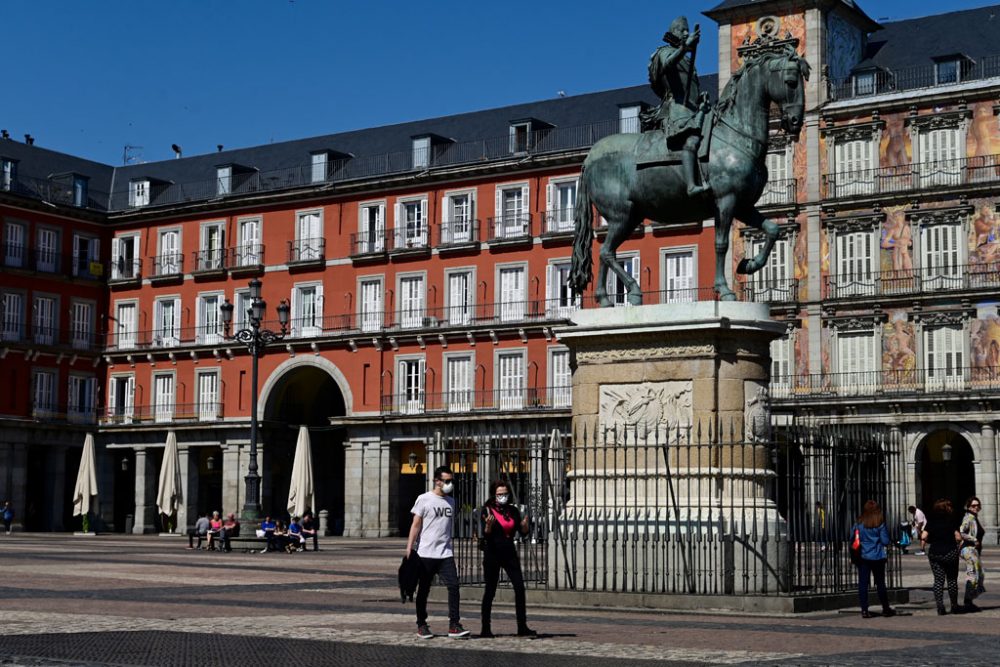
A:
[728, 97]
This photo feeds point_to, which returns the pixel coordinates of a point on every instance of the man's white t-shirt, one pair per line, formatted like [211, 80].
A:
[438, 514]
[919, 519]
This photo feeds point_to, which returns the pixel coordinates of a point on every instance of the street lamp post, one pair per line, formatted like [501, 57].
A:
[256, 339]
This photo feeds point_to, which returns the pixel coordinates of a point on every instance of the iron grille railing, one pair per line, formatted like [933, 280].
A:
[15, 255]
[246, 256]
[124, 270]
[458, 232]
[205, 411]
[409, 238]
[168, 265]
[209, 260]
[58, 192]
[960, 381]
[63, 413]
[912, 78]
[471, 400]
[781, 290]
[559, 221]
[163, 338]
[302, 251]
[513, 227]
[978, 170]
[18, 331]
[779, 193]
[919, 280]
[369, 243]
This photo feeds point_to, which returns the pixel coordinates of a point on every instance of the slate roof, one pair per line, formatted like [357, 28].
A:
[36, 162]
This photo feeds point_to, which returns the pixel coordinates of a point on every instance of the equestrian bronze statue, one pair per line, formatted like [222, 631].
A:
[632, 177]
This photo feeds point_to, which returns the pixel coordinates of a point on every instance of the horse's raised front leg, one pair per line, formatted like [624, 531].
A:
[723, 223]
[617, 233]
[756, 219]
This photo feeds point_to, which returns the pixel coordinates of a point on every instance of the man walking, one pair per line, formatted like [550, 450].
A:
[918, 523]
[433, 518]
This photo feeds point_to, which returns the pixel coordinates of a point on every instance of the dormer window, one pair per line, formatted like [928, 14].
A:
[8, 173]
[80, 195]
[628, 119]
[520, 137]
[320, 163]
[138, 192]
[948, 71]
[864, 83]
[224, 179]
[421, 152]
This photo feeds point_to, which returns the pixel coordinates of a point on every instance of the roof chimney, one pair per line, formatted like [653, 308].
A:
[4, 134]
[30, 140]
[219, 146]
[177, 151]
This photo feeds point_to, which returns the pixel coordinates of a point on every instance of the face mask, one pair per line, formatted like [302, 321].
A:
[447, 488]
[502, 499]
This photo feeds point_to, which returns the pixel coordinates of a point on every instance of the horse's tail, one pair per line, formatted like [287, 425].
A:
[582, 271]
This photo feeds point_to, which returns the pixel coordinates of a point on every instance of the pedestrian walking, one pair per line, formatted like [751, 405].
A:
[501, 522]
[917, 525]
[941, 533]
[433, 521]
[971, 533]
[8, 516]
[874, 538]
[821, 525]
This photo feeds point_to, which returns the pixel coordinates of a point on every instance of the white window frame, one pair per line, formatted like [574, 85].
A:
[508, 309]
[311, 326]
[560, 218]
[515, 133]
[855, 273]
[511, 394]
[371, 316]
[411, 306]
[126, 333]
[138, 192]
[371, 238]
[779, 170]
[12, 326]
[250, 250]
[209, 332]
[782, 365]
[678, 288]
[15, 249]
[410, 397]
[454, 228]
[942, 255]
[421, 152]
[461, 311]
[628, 119]
[47, 252]
[170, 255]
[944, 357]
[560, 300]
[319, 166]
[92, 247]
[459, 393]
[45, 318]
[560, 388]
[77, 409]
[123, 268]
[166, 334]
[164, 404]
[241, 304]
[124, 382]
[312, 250]
[617, 292]
[81, 187]
[856, 371]
[224, 179]
[411, 233]
[854, 163]
[514, 224]
[8, 173]
[209, 258]
[207, 408]
[81, 323]
[939, 154]
[44, 392]
[773, 283]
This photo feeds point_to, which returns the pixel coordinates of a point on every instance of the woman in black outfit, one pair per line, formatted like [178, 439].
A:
[941, 532]
[501, 521]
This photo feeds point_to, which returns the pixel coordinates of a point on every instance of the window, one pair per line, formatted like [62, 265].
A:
[615, 287]
[163, 397]
[44, 320]
[512, 219]
[81, 395]
[307, 310]
[13, 244]
[944, 354]
[410, 380]
[371, 305]
[562, 302]
[124, 257]
[209, 320]
[781, 367]
[421, 152]
[371, 228]
[138, 193]
[948, 71]
[939, 153]
[679, 281]
[208, 395]
[941, 256]
[13, 316]
[167, 322]
[777, 190]
[457, 218]
[459, 382]
[856, 362]
[411, 223]
[86, 256]
[241, 308]
[81, 325]
[510, 380]
[309, 236]
[213, 247]
[8, 173]
[250, 251]
[122, 405]
[460, 297]
[169, 261]
[512, 293]
[864, 83]
[628, 120]
[80, 196]
[854, 164]
[773, 283]
[411, 301]
[126, 320]
[560, 205]
[855, 253]
[46, 250]
[560, 379]
[520, 138]
[223, 180]
[44, 393]
[320, 161]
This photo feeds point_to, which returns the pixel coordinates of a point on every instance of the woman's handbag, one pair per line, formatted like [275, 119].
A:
[856, 548]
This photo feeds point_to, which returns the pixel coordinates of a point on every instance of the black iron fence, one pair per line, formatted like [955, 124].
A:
[681, 510]
[952, 380]
[877, 82]
[907, 178]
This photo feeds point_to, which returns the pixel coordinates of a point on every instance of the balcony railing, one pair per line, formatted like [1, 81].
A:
[64, 414]
[163, 338]
[306, 251]
[779, 193]
[409, 238]
[468, 400]
[18, 332]
[58, 192]
[457, 233]
[559, 221]
[168, 266]
[510, 228]
[914, 281]
[912, 78]
[920, 381]
[17, 256]
[209, 261]
[207, 411]
[124, 270]
[369, 243]
[246, 256]
[782, 290]
[978, 170]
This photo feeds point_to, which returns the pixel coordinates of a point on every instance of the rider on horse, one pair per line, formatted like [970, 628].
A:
[683, 106]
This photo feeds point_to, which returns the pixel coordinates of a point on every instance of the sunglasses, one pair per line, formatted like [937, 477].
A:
[975, 505]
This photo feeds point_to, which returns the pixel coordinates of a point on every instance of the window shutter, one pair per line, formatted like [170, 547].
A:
[445, 211]
[499, 202]
[549, 197]
[525, 201]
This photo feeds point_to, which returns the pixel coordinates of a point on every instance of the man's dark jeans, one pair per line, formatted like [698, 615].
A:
[192, 533]
[866, 569]
[445, 569]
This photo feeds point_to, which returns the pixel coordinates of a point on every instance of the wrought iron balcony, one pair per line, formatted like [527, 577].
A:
[510, 228]
[123, 270]
[17, 331]
[170, 265]
[209, 261]
[866, 183]
[369, 244]
[57, 191]
[403, 239]
[914, 281]
[779, 193]
[207, 411]
[559, 221]
[458, 233]
[63, 414]
[882, 82]
[960, 381]
[307, 251]
[246, 257]
[469, 401]
[783, 290]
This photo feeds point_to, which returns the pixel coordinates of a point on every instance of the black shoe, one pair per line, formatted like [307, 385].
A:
[888, 612]
[957, 610]
[866, 614]
[526, 632]
[942, 612]
[456, 631]
[971, 608]
[424, 632]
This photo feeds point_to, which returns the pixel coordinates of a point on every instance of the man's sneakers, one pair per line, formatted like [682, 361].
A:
[424, 631]
[456, 631]
[920, 552]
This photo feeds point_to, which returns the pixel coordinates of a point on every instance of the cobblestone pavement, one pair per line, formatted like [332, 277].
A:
[149, 601]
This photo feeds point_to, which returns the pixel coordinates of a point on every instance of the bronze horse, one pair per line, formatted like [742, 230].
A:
[736, 169]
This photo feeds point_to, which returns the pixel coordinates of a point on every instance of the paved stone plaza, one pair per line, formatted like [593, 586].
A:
[149, 601]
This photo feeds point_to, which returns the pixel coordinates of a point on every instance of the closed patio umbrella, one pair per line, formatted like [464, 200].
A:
[301, 494]
[86, 479]
[168, 494]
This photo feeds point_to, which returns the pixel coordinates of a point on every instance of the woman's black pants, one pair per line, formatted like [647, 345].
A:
[511, 564]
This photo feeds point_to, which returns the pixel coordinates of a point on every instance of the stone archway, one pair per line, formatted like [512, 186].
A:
[937, 477]
[304, 392]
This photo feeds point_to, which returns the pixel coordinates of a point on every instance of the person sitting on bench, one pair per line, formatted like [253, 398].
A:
[295, 539]
[230, 528]
[309, 530]
[200, 531]
[214, 531]
[267, 527]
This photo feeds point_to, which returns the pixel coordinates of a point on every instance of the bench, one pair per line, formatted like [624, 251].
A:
[251, 543]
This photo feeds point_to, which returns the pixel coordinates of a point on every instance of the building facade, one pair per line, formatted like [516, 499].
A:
[425, 266]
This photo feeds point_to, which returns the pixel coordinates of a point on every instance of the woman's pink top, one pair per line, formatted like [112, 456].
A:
[506, 523]
[215, 525]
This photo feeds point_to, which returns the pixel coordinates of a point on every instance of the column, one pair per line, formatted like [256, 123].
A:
[187, 513]
[19, 483]
[381, 485]
[987, 482]
[145, 493]
[6, 463]
[56, 469]
[233, 471]
[105, 510]
[353, 487]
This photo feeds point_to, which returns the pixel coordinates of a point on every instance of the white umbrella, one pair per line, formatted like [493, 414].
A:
[86, 479]
[168, 494]
[301, 494]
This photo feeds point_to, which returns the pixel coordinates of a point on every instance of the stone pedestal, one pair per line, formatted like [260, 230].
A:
[670, 419]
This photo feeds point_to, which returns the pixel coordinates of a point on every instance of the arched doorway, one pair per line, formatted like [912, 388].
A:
[304, 394]
[945, 469]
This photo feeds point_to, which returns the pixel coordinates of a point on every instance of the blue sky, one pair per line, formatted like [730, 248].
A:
[87, 78]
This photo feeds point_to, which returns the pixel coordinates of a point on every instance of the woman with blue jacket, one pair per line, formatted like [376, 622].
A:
[874, 537]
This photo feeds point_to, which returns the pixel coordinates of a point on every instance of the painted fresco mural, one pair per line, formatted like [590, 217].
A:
[896, 245]
[984, 340]
[743, 32]
[899, 348]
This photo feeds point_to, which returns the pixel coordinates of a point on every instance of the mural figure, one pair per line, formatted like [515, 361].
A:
[897, 237]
